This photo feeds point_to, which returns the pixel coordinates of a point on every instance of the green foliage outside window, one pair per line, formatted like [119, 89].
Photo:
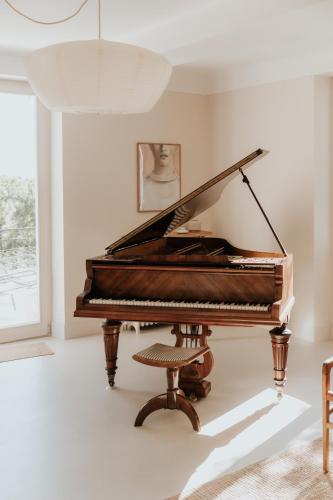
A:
[17, 222]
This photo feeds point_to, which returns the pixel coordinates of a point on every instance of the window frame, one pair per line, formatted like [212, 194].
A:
[43, 211]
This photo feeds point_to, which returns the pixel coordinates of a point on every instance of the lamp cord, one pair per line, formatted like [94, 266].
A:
[99, 19]
[63, 20]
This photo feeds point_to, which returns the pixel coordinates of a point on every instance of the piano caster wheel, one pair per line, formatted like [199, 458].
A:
[111, 378]
[193, 397]
[279, 392]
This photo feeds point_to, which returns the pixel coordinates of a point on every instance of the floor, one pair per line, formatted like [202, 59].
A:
[18, 304]
[64, 435]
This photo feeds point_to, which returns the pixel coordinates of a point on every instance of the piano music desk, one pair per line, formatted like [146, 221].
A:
[191, 234]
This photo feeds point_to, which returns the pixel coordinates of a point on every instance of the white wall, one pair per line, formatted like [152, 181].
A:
[322, 237]
[292, 183]
[99, 180]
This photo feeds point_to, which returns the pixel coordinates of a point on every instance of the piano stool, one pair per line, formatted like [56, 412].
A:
[171, 358]
[327, 409]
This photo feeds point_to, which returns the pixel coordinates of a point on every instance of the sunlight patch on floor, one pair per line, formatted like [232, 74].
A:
[243, 429]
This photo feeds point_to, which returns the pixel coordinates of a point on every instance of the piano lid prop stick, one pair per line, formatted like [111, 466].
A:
[247, 182]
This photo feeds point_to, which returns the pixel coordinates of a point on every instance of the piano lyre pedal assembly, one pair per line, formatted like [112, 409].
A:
[190, 283]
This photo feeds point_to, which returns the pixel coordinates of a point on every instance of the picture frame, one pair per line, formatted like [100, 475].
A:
[158, 175]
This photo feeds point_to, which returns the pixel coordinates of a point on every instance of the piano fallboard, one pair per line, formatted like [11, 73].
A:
[193, 284]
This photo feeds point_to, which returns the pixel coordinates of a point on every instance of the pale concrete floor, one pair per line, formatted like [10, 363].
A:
[65, 436]
[18, 305]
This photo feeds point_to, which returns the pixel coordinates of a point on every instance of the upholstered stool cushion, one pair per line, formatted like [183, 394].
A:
[166, 356]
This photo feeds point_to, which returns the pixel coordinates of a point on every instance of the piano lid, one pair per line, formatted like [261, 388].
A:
[186, 208]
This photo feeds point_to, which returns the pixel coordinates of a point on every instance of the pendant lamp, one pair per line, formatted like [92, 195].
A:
[96, 76]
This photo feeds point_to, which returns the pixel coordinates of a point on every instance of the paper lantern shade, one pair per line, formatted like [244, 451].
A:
[97, 76]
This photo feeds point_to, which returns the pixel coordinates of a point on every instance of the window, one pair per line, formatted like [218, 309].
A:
[24, 258]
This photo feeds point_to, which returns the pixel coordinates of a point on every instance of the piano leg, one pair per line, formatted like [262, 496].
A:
[280, 340]
[111, 335]
[191, 377]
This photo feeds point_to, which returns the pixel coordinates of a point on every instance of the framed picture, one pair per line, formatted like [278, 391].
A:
[158, 175]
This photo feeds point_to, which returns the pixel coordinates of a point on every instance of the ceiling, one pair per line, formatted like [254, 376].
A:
[212, 43]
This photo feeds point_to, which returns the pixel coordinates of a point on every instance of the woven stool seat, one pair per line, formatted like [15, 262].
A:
[166, 356]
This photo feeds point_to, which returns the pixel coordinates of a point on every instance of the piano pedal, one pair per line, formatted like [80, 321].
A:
[193, 397]
[279, 392]
[181, 393]
[195, 389]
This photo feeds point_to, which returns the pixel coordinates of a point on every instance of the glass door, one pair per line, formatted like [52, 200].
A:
[21, 312]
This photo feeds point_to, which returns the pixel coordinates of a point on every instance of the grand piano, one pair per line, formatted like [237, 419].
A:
[191, 283]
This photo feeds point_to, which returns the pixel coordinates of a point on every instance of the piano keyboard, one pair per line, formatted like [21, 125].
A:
[235, 306]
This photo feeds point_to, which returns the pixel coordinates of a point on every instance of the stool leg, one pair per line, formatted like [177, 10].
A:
[177, 401]
[172, 400]
[153, 404]
[186, 407]
[172, 378]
